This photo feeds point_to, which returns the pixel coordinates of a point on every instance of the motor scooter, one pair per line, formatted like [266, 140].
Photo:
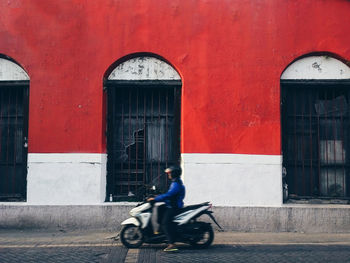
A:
[138, 229]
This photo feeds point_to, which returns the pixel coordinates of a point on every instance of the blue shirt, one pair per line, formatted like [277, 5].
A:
[175, 195]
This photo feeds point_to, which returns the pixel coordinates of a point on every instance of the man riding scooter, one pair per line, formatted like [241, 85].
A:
[173, 201]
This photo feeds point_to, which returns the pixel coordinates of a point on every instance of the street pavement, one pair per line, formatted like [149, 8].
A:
[100, 246]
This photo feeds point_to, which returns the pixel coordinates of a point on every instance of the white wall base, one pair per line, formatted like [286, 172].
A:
[233, 179]
[66, 178]
[223, 179]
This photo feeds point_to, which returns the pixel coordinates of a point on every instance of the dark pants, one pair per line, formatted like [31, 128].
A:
[167, 225]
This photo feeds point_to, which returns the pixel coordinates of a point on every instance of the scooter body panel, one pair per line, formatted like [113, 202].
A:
[183, 218]
[145, 218]
[131, 221]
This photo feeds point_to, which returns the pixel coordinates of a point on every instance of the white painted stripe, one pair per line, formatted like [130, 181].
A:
[66, 178]
[233, 179]
[61, 245]
[215, 158]
[132, 256]
[224, 179]
[286, 244]
[66, 158]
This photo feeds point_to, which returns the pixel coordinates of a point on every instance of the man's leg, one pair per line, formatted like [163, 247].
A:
[159, 216]
[167, 226]
[160, 211]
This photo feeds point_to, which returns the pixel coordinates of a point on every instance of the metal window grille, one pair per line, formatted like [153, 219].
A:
[13, 144]
[143, 136]
[315, 138]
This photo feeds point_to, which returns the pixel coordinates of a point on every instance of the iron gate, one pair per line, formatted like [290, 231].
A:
[143, 136]
[315, 138]
[13, 140]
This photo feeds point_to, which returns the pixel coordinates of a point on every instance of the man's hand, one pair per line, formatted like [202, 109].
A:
[150, 199]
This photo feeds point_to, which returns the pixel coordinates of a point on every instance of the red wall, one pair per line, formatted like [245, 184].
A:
[230, 55]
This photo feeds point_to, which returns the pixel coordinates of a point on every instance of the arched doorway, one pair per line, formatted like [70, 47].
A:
[315, 94]
[14, 95]
[143, 126]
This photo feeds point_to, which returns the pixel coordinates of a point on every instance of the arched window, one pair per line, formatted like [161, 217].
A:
[143, 126]
[14, 88]
[315, 94]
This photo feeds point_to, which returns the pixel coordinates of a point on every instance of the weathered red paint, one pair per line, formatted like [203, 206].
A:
[230, 55]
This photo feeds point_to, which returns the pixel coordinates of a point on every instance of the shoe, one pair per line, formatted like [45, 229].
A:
[170, 248]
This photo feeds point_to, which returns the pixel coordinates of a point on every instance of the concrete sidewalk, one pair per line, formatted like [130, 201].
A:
[61, 238]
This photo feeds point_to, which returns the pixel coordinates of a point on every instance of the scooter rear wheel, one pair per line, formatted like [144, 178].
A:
[204, 239]
[131, 236]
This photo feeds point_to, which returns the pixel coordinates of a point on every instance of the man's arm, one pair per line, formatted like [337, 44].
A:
[173, 190]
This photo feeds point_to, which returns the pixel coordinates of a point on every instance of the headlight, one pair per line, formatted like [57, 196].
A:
[133, 212]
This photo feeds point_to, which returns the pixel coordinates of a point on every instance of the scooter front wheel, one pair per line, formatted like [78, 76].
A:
[131, 236]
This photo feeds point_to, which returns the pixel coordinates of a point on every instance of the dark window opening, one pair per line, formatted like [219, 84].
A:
[13, 140]
[315, 138]
[143, 137]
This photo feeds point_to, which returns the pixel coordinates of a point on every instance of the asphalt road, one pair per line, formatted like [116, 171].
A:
[152, 254]
[98, 246]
